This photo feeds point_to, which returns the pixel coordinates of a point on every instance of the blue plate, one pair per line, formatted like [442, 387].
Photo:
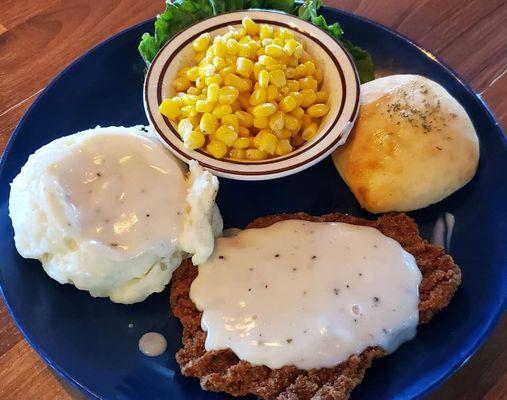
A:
[89, 342]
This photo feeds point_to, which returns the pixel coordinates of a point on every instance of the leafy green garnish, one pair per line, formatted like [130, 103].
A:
[180, 14]
[363, 60]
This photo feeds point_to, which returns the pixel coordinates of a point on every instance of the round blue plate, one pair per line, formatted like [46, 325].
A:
[89, 341]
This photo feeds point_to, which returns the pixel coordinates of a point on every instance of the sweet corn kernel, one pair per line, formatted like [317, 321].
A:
[216, 78]
[231, 120]
[213, 92]
[194, 91]
[244, 66]
[272, 93]
[216, 148]
[264, 110]
[221, 110]
[183, 71]
[238, 154]
[202, 42]
[267, 143]
[189, 99]
[241, 84]
[297, 96]
[241, 143]
[244, 50]
[272, 67]
[299, 71]
[283, 134]
[243, 131]
[309, 97]
[276, 121]
[226, 71]
[258, 96]
[310, 67]
[299, 51]
[192, 74]
[274, 50]
[277, 78]
[208, 123]
[200, 83]
[255, 154]
[309, 132]
[263, 79]
[256, 140]
[220, 46]
[287, 104]
[170, 109]
[188, 111]
[219, 63]
[239, 34]
[226, 134]
[232, 46]
[261, 123]
[244, 118]
[291, 122]
[322, 96]
[317, 110]
[194, 140]
[298, 112]
[265, 31]
[293, 85]
[290, 46]
[181, 83]
[198, 57]
[266, 60]
[178, 100]
[227, 95]
[184, 127]
[308, 83]
[250, 26]
[283, 147]
[284, 91]
[203, 106]
[207, 70]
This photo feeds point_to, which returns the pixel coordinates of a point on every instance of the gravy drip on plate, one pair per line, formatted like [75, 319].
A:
[119, 190]
[307, 294]
[152, 344]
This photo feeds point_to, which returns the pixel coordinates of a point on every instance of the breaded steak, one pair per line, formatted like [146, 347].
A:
[222, 370]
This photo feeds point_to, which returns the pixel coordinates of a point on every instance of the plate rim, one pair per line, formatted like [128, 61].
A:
[462, 359]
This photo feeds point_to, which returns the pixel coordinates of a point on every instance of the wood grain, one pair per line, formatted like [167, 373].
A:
[38, 38]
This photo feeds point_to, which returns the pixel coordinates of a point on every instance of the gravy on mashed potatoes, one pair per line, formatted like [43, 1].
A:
[413, 145]
[111, 211]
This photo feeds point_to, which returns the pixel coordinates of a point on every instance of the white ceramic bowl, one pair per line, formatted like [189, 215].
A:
[340, 80]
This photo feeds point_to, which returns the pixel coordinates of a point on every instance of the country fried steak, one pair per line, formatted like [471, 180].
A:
[223, 371]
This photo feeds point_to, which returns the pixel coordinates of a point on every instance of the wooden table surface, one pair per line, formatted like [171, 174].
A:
[38, 38]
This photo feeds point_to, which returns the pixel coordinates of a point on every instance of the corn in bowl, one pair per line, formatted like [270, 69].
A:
[253, 93]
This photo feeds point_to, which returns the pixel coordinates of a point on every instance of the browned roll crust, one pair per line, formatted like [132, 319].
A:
[222, 371]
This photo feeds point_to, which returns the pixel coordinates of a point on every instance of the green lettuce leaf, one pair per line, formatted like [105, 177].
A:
[180, 14]
[363, 60]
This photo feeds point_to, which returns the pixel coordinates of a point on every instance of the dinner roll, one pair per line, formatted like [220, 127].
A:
[413, 145]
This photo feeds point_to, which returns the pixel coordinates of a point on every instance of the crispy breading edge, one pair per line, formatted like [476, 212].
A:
[223, 371]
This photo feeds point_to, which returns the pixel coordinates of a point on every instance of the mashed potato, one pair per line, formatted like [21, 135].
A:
[413, 145]
[111, 211]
